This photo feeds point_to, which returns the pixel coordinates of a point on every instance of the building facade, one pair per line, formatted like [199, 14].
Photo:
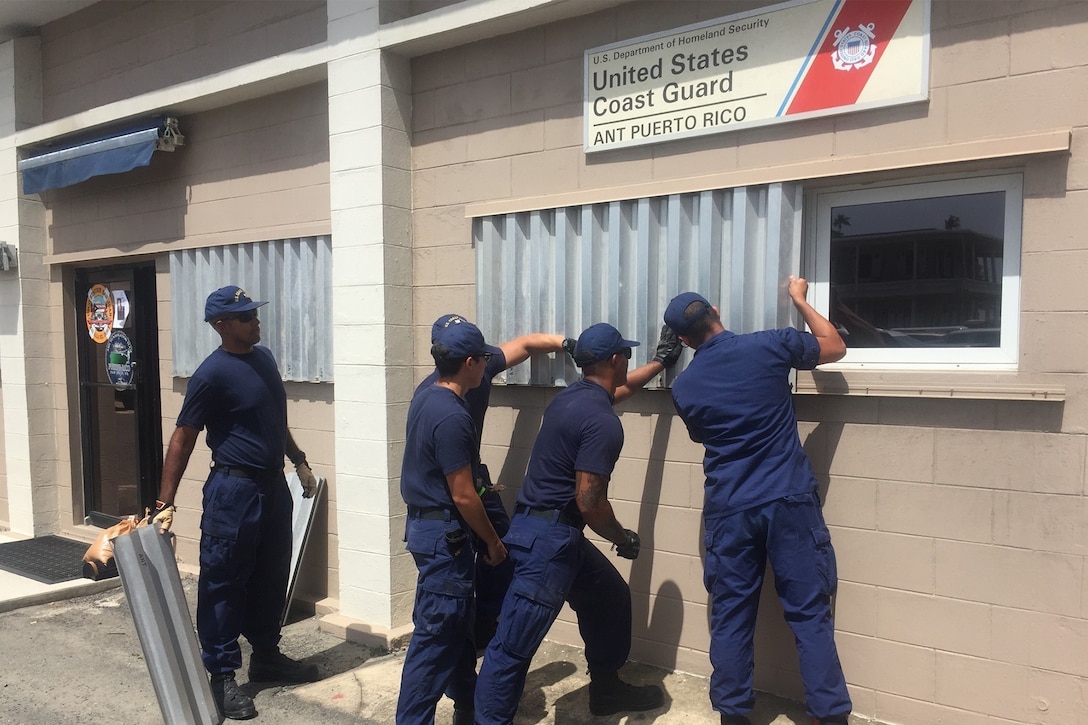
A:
[368, 166]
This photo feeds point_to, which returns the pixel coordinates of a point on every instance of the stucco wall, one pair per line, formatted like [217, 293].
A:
[114, 50]
[960, 525]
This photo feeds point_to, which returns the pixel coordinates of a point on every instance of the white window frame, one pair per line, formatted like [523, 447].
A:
[818, 269]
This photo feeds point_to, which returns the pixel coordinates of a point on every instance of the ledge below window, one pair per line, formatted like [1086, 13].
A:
[968, 386]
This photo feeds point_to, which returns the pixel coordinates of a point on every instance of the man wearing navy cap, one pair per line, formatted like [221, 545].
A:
[761, 498]
[493, 581]
[245, 540]
[566, 489]
[446, 523]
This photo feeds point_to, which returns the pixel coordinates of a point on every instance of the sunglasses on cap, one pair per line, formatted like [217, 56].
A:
[485, 355]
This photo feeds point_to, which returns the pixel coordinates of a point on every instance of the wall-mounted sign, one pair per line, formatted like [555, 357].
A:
[99, 312]
[781, 63]
[121, 309]
[119, 359]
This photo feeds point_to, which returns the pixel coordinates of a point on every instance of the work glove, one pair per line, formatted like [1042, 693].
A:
[162, 516]
[668, 348]
[629, 549]
[307, 478]
[568, 346]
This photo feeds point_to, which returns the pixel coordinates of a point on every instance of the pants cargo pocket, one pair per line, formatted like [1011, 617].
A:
[825, 560]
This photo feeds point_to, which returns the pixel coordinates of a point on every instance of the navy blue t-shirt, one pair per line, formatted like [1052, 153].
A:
[242, 402]
[580, 432]
[479, 397]
[735, 399]
[441, 439]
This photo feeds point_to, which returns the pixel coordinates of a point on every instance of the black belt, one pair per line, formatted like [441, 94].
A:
[433, 513]
[245, 471]
[555, 515]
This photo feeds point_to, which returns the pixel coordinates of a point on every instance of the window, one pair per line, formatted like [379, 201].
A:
[922, 274]
[561, 270]
[293, 275]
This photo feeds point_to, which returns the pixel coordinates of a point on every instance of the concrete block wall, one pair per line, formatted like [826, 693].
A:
[249, 171]
[369, 105]
[31, 337]
[959, 524]
[113, 50]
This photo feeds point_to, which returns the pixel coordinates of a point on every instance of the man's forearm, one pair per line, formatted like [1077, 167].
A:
[603, 521]
[637, 379]
[591, 495]
[182, 442]
[294, 453]
[467, 501]
[519, 349]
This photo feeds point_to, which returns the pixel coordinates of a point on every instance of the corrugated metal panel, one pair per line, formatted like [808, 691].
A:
[561, 270]
[294, 275]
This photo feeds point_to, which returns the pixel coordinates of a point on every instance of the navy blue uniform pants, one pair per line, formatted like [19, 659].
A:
[245, 561]
[791, 533]
[493, 581]
[441, 655]
[553, 563]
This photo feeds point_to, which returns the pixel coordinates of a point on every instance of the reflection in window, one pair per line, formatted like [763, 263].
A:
[923, 272]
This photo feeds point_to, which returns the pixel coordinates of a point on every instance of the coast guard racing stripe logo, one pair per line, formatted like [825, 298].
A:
[856, 35]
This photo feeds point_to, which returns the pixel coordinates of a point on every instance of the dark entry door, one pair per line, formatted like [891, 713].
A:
[120, 418]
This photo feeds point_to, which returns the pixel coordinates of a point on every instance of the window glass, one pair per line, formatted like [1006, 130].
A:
[923, 273]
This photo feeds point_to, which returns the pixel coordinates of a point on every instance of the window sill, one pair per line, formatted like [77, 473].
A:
[952, 385]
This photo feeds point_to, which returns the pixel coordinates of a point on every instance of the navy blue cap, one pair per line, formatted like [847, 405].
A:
[674, 313]
[228, 300]
[599, 342]
[442, 323]
[458, 339]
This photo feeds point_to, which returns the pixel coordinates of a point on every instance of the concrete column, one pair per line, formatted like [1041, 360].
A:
[370, 167]
[27, 337]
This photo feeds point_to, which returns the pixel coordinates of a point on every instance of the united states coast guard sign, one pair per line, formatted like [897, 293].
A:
[782, 63]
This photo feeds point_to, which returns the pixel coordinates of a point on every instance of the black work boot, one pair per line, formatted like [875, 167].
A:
[735, 720]
[608, 694]
[464, 716]
[229, 698]
[842, 719]
[275, 666]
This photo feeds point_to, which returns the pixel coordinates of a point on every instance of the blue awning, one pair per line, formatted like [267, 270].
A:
[115, 153]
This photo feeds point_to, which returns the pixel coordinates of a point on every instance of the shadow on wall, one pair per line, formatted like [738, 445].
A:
[837, 405]
[666, 618]
[526, 424]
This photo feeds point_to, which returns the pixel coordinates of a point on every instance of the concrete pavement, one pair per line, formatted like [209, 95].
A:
[72, 656]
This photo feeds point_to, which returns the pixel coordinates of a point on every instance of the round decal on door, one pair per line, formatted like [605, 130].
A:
[99, 312]
[119, 359]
